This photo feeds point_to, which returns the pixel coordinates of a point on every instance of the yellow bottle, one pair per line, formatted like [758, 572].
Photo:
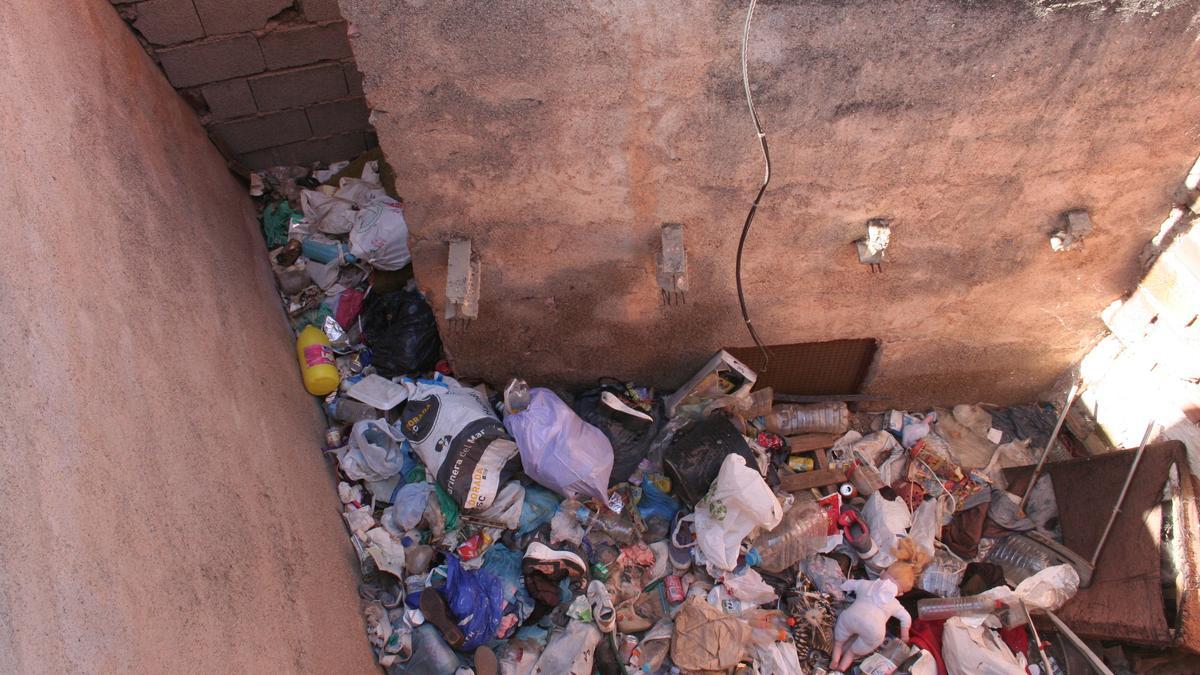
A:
[316, 362]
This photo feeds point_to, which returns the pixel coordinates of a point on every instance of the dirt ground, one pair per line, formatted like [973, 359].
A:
[164, 506]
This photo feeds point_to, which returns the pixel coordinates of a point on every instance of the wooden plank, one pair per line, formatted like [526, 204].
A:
[811, 479]
[811, 442]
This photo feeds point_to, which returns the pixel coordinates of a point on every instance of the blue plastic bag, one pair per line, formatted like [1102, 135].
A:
[505, 565]
[477, 598]
[539, 507]
[656, 503]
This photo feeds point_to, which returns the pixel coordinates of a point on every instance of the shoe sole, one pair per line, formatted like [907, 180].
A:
[539, 552]
[486, 662]
[436, 612]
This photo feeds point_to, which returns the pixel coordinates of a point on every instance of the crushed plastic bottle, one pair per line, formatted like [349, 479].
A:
[818, 418]
[936, 609]
[800, 534]
[609, 523]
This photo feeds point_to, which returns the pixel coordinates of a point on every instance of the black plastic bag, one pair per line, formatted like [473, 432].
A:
[629, 434]
[694, 459]
[402, 333]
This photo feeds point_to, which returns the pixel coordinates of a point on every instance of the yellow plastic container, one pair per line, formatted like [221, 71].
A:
[321, 377]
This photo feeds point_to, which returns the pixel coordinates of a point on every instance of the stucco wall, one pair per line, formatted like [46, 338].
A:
[560, 135]
[164, 506]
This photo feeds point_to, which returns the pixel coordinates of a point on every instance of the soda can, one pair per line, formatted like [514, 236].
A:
[674, 588]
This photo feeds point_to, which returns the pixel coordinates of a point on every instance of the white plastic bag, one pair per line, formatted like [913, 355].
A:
[380, 236]
[459, 439]
[748, 586]
[926, 525]
[386, 551]
[887, 519]
[1049, 589]
[977, 650]
[777, 658]
[506, 507]
[373, 453]
[558, 449]
[738, 502]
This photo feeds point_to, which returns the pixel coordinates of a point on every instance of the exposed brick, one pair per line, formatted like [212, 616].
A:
[226, 16]
[339, 117]
[333, 149]
[320, 10]
[275, 91]
[168, 22]
[263, 132]
[354, 79]
[306, 44]
[211, 61]
[229, 99]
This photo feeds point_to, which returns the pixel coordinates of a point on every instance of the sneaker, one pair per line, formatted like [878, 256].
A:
[541, 558]
[602, 607]
[437, 613]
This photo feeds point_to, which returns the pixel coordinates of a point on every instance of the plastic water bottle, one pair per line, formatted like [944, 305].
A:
[609, 523]
[801, 532]
[349, 411]
[817, 418]
[936, 609]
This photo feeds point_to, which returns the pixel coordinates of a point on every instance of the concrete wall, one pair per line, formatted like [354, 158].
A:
[273, 80]
[164, 506]
[560, 135]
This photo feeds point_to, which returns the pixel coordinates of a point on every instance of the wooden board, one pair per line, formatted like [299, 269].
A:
[811, 479]
[805, 442]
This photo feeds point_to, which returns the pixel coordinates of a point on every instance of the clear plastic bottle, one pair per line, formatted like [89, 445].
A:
[767, 626]
[653, 653]
[936, 609]
[609, 523]
[801, 532]
[348, 411]
[817, 418]
[1020, 557]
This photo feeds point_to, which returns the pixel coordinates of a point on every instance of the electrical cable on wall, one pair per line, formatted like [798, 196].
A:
[762, 142]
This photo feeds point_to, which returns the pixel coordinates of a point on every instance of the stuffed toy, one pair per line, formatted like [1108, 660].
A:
[862, 627]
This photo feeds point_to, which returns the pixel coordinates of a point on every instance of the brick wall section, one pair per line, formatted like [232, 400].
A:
[274, 82]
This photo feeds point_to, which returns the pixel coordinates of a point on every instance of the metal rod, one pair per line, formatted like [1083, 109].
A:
[1112, 518]
[824, 398]
[1090, 655]
[1038, 639]
[1062, 416]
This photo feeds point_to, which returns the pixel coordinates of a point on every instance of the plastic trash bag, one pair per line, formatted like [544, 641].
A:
[977, 650]
[777, 658]
[558, 449]
[825, 574]
[505, 510]
[1049, 589]
[655, 503]
[476, 597]
[380, 235]
[571, 650]
[629, 430]
[926, 525]
[405, 512]
[505, 566]
[458, 437]
[887, 519]
[373, 454]
[539, 507]
[402, 332]
[738, 502]
[386, 551]
[748, 585]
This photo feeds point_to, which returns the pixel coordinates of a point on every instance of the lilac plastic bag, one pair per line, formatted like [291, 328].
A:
[560, 450]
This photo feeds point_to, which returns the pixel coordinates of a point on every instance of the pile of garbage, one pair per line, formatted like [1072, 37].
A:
[622, 529]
